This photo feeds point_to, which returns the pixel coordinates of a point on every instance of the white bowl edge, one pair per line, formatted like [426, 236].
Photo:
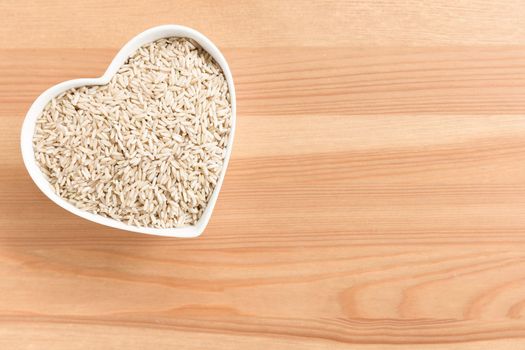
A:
[36, 108]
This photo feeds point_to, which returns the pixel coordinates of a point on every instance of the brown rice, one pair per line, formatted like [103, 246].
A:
[147, 148]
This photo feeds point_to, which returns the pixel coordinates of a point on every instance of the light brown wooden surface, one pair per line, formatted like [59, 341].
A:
[375, 197]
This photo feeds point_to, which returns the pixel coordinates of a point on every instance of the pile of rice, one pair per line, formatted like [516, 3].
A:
[147, 148]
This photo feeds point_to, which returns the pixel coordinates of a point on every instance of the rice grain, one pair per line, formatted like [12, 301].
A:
[147, 148]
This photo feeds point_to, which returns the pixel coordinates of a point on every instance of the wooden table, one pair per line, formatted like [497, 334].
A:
[375, 197]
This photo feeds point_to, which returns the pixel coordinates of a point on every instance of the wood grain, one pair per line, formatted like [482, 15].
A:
[375, 197]
[263, 24]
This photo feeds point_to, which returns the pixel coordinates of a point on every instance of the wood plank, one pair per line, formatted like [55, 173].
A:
[303, 82]
[274, 23]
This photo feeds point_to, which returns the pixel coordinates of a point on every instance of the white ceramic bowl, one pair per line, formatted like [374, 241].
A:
[34, 112]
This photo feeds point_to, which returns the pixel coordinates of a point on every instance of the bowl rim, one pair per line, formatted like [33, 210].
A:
[147, 36]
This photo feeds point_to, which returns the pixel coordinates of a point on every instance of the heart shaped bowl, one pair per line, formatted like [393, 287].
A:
[143, 38]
